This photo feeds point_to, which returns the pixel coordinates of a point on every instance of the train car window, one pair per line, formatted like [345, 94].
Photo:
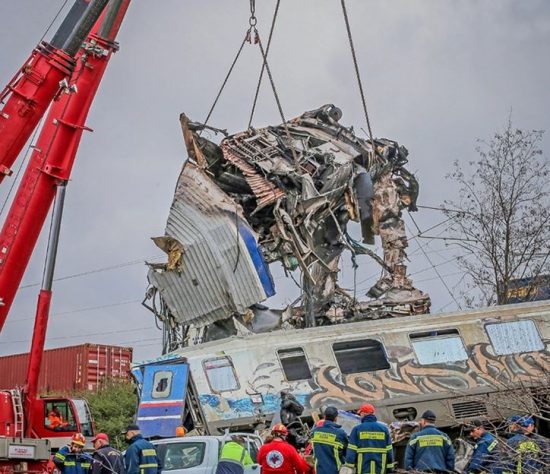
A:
[162, 384]
[514, 337]
[365, 355]
[294, 363]
[220, 374]
[438, 347]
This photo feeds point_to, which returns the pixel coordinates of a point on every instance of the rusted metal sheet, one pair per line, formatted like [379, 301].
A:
[69, 369]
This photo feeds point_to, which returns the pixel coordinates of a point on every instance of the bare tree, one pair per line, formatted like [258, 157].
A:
[502, 217]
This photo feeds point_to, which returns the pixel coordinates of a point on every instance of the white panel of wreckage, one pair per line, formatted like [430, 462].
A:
[260, 377]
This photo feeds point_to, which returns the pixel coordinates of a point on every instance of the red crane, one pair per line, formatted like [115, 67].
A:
[44, 181]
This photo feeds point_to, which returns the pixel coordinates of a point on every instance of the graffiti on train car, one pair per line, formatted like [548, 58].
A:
[405, 377]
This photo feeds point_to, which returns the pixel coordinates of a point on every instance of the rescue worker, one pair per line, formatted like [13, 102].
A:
[485, 455]
[329, 443]
[526, 451]
[280, 457]
[370, 448]
[55, 420]
[141, 456]
[429, 450]
[106, 459]
[234, 457]
[70, 459]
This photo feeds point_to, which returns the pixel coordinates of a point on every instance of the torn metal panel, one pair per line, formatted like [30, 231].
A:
[221, 270]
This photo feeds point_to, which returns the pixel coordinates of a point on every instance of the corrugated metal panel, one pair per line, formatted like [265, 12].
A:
[219, 276]
[68, 369]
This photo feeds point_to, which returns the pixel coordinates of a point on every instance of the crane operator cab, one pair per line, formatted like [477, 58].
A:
[57, 419]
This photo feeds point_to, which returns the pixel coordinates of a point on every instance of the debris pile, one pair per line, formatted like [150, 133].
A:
[284, 193]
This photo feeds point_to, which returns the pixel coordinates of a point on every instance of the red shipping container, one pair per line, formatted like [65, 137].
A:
[69, 369]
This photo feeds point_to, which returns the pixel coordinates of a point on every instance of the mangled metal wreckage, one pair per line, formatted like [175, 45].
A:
[282, 193]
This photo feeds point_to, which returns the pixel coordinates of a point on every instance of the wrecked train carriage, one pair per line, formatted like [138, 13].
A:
[284, 193]
[463, 366]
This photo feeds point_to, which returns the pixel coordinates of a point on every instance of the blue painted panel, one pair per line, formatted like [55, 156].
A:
[258, 259]
[162, 399]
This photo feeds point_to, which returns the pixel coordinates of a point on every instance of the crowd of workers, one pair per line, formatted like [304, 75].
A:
[139, 458]
[367, 450]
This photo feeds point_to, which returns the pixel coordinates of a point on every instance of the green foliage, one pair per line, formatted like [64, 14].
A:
[113, 407]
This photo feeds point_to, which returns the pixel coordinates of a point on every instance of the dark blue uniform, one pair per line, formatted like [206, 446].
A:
[485, 455]
[430, 450]
[141, 457]
[526, 454]
[71, 463]
[370, 448]
[329, 447]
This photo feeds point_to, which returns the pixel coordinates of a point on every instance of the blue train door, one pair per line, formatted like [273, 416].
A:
[162, 399]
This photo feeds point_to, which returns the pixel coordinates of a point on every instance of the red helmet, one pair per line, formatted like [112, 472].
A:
[279, 428]
[366, 409]
[79, 439]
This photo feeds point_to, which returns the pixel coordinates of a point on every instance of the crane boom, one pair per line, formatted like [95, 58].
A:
[53, 155]
[34, 86]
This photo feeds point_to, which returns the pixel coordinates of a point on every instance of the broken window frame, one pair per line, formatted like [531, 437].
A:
[520, 345]
[237, 384]
[380, 349]
[157, 379]
[442, 336]
[289, 350]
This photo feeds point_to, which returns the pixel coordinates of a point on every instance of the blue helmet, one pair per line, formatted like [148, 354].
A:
[520, 420]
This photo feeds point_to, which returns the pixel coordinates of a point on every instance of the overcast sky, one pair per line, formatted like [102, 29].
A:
[437, 73]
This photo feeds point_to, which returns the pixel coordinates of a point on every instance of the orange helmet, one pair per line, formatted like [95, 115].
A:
[366, 409]
[79, 439]
[279, 428]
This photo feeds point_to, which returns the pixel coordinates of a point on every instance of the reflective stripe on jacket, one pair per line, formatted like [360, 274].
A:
[329, 447]
[141, 457]
[71, 463]
[485, 455]
[525, 455]
[370, 448]
[233, 458]
[430, 450]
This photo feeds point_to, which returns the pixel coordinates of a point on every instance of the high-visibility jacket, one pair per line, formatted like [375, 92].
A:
[526, 454]
[71, 463]
[329, 443]
[56, 421]
[430, 450]
[485, 455]
[141, 457]
[370, 448]
[233, 458]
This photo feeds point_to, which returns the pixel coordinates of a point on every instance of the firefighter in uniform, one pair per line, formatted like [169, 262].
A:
[430, 450]
[141, 456]
[280, 457]
[526, 451]
[370, 448]
[70, 459]
[485, 455]
[106, 459]
[329, 443]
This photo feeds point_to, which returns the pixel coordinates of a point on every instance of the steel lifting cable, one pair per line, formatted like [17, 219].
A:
[276, 95]
[359, 82]
[263, 64]
[227, 77]
[252, 21]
